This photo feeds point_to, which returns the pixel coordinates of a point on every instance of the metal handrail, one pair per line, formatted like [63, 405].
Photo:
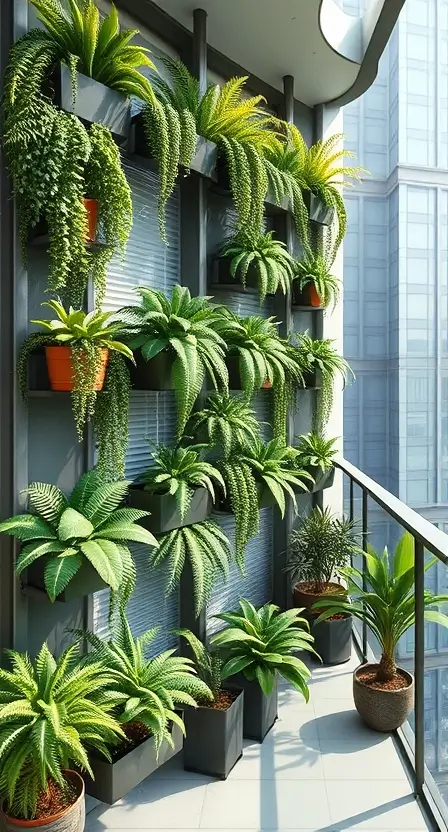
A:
[426, 536]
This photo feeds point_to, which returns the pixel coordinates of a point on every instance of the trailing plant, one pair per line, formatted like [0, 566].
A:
[88, 525]
[263, 357]
[178, 471]
[187, 329]
[386, 600]
[243, 496]
[261, 643]
[146, 692]
[87, 334]
[314, 270]
[52, 712]
[52, 157]
[251, 249]
[207, 550]
[229, 422]
[208, 662]
[237, 124]
[315, 451]
[285, 164]
[111, 419]
[319, 355]
[320, 547]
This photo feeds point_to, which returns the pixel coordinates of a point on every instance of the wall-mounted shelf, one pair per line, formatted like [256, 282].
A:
[232, 287]
[41, 240]
[298, 308]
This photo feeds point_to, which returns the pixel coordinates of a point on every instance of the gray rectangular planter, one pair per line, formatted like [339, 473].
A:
[84, 582]
[94, 102]
[233, 367]
[322, 479]
[313, 380]
[221, 276]
[154, 374]
[114, 780]
[165, 515]
[333, 639]
[260, 711]
[204, 161]
[214, 738]
[319, 212]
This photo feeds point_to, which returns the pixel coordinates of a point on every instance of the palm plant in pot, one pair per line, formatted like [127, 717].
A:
[53, 713]
[77, 545]
[383, 692]
[214, 731]
[227, 423]
[258, 644]
[257, 260]
[314, 285]
[319, 549]
[177, 490]
[147, 695]
[320, 363]
[316, 455]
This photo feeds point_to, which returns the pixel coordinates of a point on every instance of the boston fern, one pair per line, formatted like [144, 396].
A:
[208, 662]
[146, 691]
[208, 552]
[314, 270]
[285, 162]
[178, 471]
[187, 328]
[319, 355]
[274, 466]
[229, 422]
[251, 249]
[261, 643]
[52, 712]
[89, 525]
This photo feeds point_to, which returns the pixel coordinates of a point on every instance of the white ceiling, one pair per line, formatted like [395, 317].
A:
[273, 38]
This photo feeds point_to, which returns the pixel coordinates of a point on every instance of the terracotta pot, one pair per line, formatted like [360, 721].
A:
[91, 206]
[69, 820]
[312, 296]
[60, 368]
[267, 385]
[382, 710]
[304, 598]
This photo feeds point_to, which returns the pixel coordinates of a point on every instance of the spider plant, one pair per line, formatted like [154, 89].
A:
[229, 422]
[146, 691]
[88, 526]
[285, 162]
[315, 451]
[250, 249]
[207, 551]
[236, 123]
[314, 354]
[261, 642]
[187, 328]
[314, 272]
[177, 471]
[52, 712]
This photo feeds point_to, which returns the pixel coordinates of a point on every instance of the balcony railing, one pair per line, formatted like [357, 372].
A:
[427, 538]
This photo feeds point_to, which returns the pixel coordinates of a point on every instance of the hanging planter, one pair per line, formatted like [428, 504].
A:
[164, 513]
[318, 210]
[94, 102]
[233, 367]
[68, 820]
[214, 736]
[322, 479]
[221, 276]
[154, 374]
[91, 206]
[60, 368]
[307, 297]
[203, 162]
[313, 380]
[84, 583]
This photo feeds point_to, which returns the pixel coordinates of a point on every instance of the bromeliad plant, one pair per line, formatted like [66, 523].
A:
[312, 274]
[146, 692]
[187, 329]
[52, 713]
[229, 422]
[261, 643]
[87, 526]
[387, 604]
[251, 250]
[87, 335]
[237, 124]
[178, 471]
[319, 356]
[208, 553]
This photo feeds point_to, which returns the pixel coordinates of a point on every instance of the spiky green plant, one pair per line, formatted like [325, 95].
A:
[285, 162]
[87, 335]
[178, 471]
[250, 249]
[206, 549]
[315, 354]
[229, 422]
[315, 451]
[315, 271]
[87, 526]
[208, 662]
[187, 328]
[274, 466]
[238, 125]
[52, 712]
[261, 643]
[147, 691]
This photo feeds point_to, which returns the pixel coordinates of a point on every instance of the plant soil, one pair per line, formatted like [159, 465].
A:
[369, 678]
[313, 588]
[55, 800]
[222, 702]
[136, 734]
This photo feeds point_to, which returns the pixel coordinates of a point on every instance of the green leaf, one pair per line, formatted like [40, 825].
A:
[74, 525]
[59, 572]
[108, 568]
[404, 555]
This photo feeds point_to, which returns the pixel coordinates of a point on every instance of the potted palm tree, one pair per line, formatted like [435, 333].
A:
[54, 712]
[214, 730]
[77, 545]
[177, 491]
[255, 259]
[315, 455]
[318, 550]
[383, 692]
[257, 645]
[146, 693]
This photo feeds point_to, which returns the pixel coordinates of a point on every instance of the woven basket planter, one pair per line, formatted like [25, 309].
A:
[382, 710]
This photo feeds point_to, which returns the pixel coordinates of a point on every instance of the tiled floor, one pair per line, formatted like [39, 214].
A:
[318, 770]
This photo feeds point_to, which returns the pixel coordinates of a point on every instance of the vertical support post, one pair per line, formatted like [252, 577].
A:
[419, 668]
[351, 510]
[364, 580]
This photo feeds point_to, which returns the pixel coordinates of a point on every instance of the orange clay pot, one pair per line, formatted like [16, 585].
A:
[60, 369]
[312, 296]
[91, 206]
[267, 385]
